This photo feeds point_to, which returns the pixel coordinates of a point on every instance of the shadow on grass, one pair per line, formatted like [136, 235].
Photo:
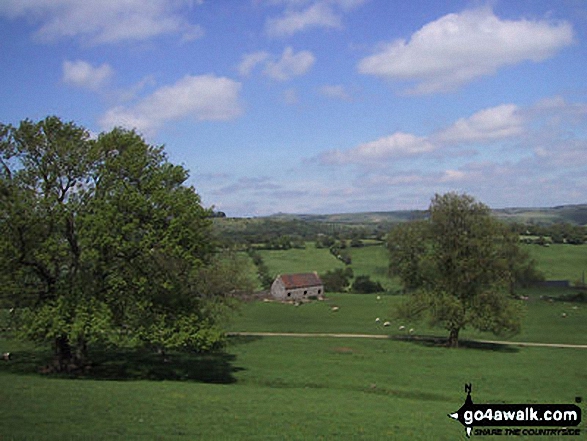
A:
[132, 364]
[435, 341]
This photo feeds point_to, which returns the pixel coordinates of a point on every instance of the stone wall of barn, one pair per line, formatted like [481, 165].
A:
[278, 291]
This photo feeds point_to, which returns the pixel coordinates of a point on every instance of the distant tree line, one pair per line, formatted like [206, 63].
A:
[280, 234]
[561, 232]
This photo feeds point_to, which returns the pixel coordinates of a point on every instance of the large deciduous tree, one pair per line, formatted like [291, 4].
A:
[459, 267]
[102, 241]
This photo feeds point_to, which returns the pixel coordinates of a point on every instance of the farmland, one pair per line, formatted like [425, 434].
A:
[290, 388]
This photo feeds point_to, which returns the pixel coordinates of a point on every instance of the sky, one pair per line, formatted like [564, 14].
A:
[320, 106]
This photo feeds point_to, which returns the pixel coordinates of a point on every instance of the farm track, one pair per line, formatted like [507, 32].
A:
[411, 338]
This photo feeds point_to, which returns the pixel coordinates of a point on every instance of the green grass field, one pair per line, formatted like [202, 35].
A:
[284, 388]
[560, 262]
[300, 260]
[291, 388]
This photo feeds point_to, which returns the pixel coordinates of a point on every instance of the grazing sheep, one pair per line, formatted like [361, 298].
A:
[386, 324]
[564, 315]
[575, 307]
[377, 320]
[411, 331]
[334, 308]
[378, 297]
[402, 328]
[6, 356]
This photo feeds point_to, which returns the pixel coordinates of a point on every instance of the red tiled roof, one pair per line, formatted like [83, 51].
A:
[292, 281]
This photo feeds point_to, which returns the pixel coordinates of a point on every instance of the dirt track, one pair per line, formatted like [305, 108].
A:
[391, 337]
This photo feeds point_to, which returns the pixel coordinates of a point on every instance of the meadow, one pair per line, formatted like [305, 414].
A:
[292, 388]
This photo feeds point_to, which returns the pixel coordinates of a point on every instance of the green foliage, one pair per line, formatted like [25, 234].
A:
[364, 285]
[461, 267]
[262, 271]
[337, 280]
[101, 241]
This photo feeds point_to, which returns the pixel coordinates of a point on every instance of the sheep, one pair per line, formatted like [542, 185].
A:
[564, 315]
[378, 297]
[334, 309]
[387, 324]
[411, 331]
[6, 356]
[377, 320]
[402, 328]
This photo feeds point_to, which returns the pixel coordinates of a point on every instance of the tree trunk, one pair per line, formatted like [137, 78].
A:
[66, 357]
[63, 354]
[453, 338]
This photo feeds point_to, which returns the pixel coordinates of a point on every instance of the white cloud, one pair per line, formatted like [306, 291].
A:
[83, 74]
[299, 16]
[398, 145]
[319, 14]
[458, 48]
[335, 91]
[204, 98]
[250, 61]
[104, 21]
[289, 65]
[490, 124]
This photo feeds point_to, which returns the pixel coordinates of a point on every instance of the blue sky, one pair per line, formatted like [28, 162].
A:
[320, 106]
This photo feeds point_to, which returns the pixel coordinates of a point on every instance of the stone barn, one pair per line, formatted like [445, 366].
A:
[297, 286]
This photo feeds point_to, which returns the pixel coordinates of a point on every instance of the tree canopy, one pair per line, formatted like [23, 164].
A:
[101, 240]
[460, 267]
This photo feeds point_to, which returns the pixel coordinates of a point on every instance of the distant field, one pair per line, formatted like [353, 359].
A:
[373, 261]
[542, 322]
[300, 260]
[560, 262]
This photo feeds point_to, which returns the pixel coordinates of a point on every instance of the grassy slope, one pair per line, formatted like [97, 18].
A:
[295, 389]
[560, 262]
[291, 388]
[543, 320]
[300, 260]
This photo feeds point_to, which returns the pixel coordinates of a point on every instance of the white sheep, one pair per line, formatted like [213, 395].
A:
[564, 315]
[377, 320]
[402, 328]
[387, 324]
[378, 297]
[411, 331]
[6, 356]
[334, 308]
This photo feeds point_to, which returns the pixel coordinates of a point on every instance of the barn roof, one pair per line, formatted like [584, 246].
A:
[301, 280]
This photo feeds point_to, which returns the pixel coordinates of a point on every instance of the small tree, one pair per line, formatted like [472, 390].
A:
[364, 285]
[458, 267]
[337, 280]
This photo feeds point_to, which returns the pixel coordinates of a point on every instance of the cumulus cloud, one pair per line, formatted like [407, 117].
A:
[289, 65]
[105, 21]
[299, 16]
[458, 48]
[204, 98]
[398, 145]
[82, 74]
[250, 61]
[495, 123]
[282, 68]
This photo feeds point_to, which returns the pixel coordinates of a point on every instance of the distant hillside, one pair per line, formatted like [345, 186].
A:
[575, 214]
